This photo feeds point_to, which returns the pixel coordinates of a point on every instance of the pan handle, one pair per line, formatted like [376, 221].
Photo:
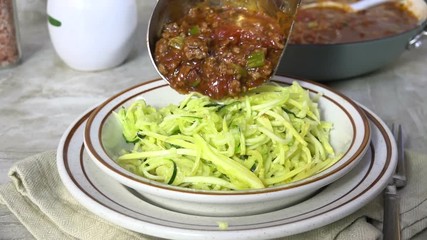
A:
[417, 41]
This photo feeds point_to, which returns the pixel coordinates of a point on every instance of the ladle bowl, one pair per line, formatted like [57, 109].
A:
[167, 11]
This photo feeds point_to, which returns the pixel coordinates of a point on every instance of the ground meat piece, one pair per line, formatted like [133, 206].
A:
[170, 30]
[195, 48]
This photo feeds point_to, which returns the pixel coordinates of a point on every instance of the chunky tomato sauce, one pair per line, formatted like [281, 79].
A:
[219, 52]
[327, 25]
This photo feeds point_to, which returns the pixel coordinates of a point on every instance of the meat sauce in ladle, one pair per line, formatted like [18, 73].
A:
[219, 48]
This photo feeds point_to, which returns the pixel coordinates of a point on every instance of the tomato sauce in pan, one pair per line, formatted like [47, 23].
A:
[328, 25]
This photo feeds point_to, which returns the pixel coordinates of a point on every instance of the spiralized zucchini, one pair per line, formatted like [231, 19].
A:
[271, 136]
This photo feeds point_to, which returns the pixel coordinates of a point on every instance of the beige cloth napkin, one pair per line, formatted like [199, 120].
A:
[40, 201]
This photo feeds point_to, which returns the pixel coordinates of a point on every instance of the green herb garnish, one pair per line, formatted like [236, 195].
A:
[53, 21]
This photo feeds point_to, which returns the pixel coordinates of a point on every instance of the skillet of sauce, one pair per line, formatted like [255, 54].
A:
[328, 25]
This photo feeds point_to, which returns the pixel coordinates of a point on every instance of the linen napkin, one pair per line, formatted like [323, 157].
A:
[41, 202]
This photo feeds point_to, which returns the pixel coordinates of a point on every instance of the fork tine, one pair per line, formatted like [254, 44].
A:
[401, 168]
[393, 130]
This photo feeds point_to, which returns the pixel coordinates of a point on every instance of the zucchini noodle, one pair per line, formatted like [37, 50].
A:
[271, 136]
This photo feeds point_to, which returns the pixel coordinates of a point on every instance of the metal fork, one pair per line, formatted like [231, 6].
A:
[391, 220]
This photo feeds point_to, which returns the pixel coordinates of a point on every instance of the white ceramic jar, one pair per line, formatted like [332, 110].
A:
[92, 35]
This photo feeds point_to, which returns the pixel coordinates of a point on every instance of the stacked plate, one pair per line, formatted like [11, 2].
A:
[89, 172]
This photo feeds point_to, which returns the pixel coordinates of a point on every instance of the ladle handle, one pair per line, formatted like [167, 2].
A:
[417, 41]
[361, 5]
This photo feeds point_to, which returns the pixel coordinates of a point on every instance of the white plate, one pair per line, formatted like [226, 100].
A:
[112, 201]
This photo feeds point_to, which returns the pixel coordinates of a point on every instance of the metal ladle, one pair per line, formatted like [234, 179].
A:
[167, 11]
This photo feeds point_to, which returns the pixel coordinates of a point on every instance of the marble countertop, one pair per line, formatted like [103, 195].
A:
[42, 96]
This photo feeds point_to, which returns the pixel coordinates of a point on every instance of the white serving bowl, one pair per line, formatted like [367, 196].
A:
[104, 143]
